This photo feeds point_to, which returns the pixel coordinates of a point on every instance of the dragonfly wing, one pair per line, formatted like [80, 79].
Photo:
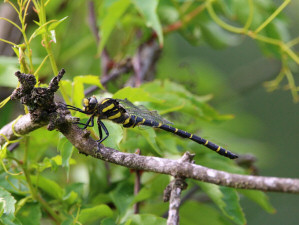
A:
[141, 111]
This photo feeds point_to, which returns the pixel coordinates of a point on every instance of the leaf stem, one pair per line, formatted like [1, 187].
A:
[273, 16]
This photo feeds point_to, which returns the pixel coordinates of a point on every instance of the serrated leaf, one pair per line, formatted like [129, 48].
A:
[7, 201]
[176, 97]
[89, 215]
[149, 10]
[226, 199]
[30, 214]
[113, 15]
[260, 198]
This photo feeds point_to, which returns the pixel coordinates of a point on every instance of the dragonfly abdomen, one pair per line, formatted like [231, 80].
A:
[199, 140]
[133, 121]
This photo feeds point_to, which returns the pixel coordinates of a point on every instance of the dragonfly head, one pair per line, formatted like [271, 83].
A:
[90, 104]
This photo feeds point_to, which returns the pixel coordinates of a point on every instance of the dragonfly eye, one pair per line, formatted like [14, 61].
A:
[90, 104]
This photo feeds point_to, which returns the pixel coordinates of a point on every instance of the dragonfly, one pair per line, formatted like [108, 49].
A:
[124, 112]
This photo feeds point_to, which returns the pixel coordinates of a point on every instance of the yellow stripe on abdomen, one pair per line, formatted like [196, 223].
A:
[141, 122]
[111, 106]
[105, 100]
[117, 115]
[127, 121]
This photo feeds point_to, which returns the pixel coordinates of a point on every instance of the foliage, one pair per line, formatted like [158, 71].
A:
[68, 188]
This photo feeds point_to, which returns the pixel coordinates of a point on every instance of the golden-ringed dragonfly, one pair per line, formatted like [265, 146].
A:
[124, 112]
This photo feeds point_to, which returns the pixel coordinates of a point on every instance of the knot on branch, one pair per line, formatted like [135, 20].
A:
[178, 184]
[40, 101]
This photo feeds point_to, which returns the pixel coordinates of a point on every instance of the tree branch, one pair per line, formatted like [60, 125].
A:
[86, 145]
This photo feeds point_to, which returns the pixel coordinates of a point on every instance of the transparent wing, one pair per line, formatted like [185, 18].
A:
[141, 111]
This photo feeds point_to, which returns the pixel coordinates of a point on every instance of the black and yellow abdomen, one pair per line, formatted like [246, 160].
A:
[132, 121]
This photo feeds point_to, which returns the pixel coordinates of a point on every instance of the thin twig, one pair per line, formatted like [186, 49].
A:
[137, 185]
[105, 58]
[172, 193]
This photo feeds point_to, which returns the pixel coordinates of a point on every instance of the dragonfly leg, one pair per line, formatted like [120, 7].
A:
[87, 123]
[101, 125]
[72, 107]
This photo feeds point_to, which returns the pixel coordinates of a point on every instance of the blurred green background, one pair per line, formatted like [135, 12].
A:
[268, 122]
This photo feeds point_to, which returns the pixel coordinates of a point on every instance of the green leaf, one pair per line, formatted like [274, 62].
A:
[135, 94]
[176, 97]
[7, 202]
[53, 25]
[150, 136]
[113, 15]
[196, 213]
[66, 151]
[9, 220]
[48, 186]
[226, 199]
[50, 163]
[89, 215]
[69, 221]
[89, 79]
[71, 198]
[260, 198]
[8, 67]
[122, 197]
[30, 214]
[108, 221]
[143, 194]
[149, 10]
[66, 85]
[146, 219]
[79, 81]
[216, 36]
